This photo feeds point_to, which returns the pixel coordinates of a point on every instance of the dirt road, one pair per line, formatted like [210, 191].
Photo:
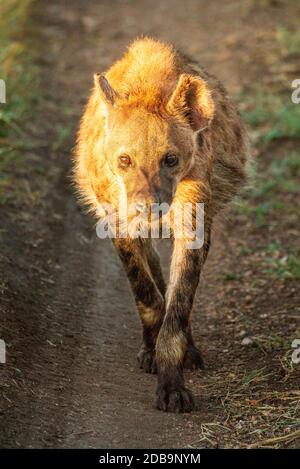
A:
[69, 321]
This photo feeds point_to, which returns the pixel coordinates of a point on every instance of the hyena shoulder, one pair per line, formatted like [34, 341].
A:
[229, 144]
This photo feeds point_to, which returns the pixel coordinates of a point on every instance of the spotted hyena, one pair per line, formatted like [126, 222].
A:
[159, 129]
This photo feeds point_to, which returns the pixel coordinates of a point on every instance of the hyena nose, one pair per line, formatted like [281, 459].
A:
[144, 202]
[157, 198]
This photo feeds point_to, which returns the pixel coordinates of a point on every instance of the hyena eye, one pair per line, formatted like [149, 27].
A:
[170, 160]
[124, 161]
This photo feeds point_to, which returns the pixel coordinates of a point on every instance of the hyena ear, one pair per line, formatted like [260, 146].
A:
[108, 94]
[192, 101]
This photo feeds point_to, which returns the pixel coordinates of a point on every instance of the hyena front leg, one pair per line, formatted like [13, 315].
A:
[193, 357]
[175, 335]
[143, 270]
[155, 267]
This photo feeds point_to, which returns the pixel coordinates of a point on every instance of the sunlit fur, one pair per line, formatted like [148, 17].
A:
[152, 117]
[150, 103]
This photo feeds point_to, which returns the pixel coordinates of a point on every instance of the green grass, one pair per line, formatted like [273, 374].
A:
[273, 342]
[245, 251]
[281, 176]
[286, 123]
[270, 112]
[285, 266]
[230, 276]
[273, 189]
[288, 41]
[275, 183]
[21, 78]
[272, 116]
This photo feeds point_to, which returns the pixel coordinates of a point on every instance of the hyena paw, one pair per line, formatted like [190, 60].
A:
[193, 359]
[147, 361]
[174, 399]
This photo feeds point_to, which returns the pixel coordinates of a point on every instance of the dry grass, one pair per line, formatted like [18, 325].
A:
[250, 414]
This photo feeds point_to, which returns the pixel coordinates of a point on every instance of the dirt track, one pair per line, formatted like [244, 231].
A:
[69, 319]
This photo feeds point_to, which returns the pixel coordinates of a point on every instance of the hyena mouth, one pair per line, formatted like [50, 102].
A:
[153, 221]
[148, 221]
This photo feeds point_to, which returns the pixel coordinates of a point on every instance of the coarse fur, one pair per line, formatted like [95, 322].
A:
[151, 103]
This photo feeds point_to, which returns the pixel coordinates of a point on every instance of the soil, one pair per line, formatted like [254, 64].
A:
[67, 313]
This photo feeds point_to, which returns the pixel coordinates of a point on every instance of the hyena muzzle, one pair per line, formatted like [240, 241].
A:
[159, 129]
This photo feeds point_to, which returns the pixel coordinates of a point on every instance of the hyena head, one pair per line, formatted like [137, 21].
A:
[149, 141]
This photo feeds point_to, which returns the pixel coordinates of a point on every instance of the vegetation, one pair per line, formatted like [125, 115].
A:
[274, 123]
[251, 389]
[21, 78]
[258, 412]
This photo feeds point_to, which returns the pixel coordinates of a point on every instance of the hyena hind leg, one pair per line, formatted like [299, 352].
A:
[146, 357]
[135, 255]
[155, 267]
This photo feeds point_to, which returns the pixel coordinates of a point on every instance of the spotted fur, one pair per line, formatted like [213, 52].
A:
[153, 102]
